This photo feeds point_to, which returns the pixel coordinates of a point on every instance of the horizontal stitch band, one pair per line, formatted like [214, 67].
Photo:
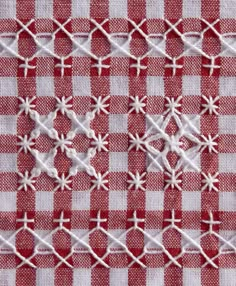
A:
[116, 244]
[154, 41]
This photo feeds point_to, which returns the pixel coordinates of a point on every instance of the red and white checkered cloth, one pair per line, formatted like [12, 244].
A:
[118, 142]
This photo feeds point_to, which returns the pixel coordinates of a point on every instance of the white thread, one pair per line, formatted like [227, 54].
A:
[44, 124]
[212, 65]
[100, 182]
[25, 144]
[100, 142]
[115, 46]
[210, 105]
[137, 142]
[137, 104]
[63, 182]
[138, 66]
[26, 66]
[173, 180]
[174, 66]
[61, 220]
[209, 182]
[98, 219]
[26, 181]
[211, 222]
[100, 104]
[136, 220]
[136, 181]
[100, 66]
[63, 105]
[63, 66]
[209, 143]
[26, 105]
[148, 248]
[173, 143]
[25, 220]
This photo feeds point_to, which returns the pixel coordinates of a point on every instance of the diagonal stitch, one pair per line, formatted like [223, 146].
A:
[117, 47]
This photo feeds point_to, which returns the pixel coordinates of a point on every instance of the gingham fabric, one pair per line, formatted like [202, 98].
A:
[117, 142]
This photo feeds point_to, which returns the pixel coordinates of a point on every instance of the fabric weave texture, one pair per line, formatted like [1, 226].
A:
[117, 142]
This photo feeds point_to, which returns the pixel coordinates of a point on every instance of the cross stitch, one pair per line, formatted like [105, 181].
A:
[117, 143]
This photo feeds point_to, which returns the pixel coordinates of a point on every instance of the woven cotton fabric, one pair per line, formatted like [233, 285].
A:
[117, 142]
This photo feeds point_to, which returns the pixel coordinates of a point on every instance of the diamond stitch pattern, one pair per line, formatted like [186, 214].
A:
[117, 143]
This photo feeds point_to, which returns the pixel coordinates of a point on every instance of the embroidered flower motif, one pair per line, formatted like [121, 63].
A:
[26, 181]
[100, 104]
[136, 181]
[209, 182]
[137, 104]
[209, 143]
[25, 144]
[100, 182]
[26, 105]
[173, 181]
[63, 183]
[210, 105]
[100, 142]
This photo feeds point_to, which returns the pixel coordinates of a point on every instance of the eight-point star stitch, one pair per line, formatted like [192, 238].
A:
[25, 144]
[26, 181]
[62, 142]
[210, 105]
[137, 104]
[137, 180]
[100, 104]
[63, 182]
[100, 182]
[209, 143]
[99, 143]
[63, 104]
[209, 182]
[26, 105]
[173, 180]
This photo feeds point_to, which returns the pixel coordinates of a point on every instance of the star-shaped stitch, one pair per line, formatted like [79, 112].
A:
[26, 181]
[137, 104]
[63, 104]
[210, 105]
[100, 142]
[210, 181]
[137, 142]
[173, 181]
[25, 144]
[209, 143]
[100, 104]
[26, 105]
[63, 182]
[100, 182]
[136, 181]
